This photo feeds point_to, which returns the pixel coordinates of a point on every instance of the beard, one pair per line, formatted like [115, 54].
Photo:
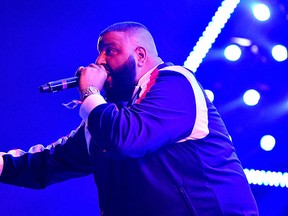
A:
[121, 83]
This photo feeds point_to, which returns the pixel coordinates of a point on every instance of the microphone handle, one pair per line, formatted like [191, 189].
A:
[59, 85]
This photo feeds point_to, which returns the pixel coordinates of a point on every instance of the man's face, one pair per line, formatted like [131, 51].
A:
[116, 55]
[121, 82]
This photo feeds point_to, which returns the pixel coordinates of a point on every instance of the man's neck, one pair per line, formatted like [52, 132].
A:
[149, 66]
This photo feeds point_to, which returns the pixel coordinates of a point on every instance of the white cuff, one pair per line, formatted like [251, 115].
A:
[1, 163]
[89, 104]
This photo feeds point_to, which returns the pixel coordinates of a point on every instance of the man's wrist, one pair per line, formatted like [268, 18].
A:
[90, 90]
[89, 104]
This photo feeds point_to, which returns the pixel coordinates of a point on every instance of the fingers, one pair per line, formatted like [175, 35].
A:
[92, 75]
[102, 67]
[78, 71]
[93, 65]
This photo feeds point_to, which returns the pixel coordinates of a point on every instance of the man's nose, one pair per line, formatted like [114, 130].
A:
[101, 59]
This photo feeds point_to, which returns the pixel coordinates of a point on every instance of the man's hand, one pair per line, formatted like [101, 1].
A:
[93, 75]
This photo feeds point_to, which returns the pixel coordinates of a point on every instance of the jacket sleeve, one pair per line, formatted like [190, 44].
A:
[39, 167]
[165, 114]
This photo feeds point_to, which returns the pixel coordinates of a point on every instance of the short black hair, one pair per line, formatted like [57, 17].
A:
[124, 27]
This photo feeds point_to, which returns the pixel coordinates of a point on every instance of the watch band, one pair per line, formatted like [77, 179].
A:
[90, 90]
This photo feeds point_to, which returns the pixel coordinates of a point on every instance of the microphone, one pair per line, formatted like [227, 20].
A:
[58, 85]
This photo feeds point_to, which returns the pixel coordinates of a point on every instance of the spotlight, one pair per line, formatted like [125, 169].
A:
[261, 12]
[232, 52]
[251, 97]
[242, 41]
[267, 142]
[210, 95]
[279, 53]
[210, 34]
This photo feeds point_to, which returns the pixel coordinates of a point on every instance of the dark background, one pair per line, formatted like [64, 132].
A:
[46, 40]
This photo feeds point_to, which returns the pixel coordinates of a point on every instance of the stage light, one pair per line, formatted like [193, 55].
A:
[251, 97]
[261, 12]
[210, 95]
[279, 53]
[254, 49]
[232, 52]
[266, 178]
[210, 34]
[267, 142]
[242, 41]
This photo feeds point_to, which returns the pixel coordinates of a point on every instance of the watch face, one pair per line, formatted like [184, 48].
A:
[93, 90]
[89, 91]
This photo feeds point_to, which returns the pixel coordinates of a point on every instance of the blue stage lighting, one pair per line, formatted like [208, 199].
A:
[261, 12]
[279, 53]
[267, 142]
[210, 95]
[210, 34]
[266, 178]
[251, 97]
[232, 52]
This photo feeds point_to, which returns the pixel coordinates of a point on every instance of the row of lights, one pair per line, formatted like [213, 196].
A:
[210, 34]
[267, 178]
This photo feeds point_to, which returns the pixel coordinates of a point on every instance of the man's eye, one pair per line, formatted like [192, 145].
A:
[110, 51]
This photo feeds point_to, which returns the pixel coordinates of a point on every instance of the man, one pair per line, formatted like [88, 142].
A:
[155, 144]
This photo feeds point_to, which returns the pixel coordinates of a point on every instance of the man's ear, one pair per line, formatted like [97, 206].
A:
[141, 56]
